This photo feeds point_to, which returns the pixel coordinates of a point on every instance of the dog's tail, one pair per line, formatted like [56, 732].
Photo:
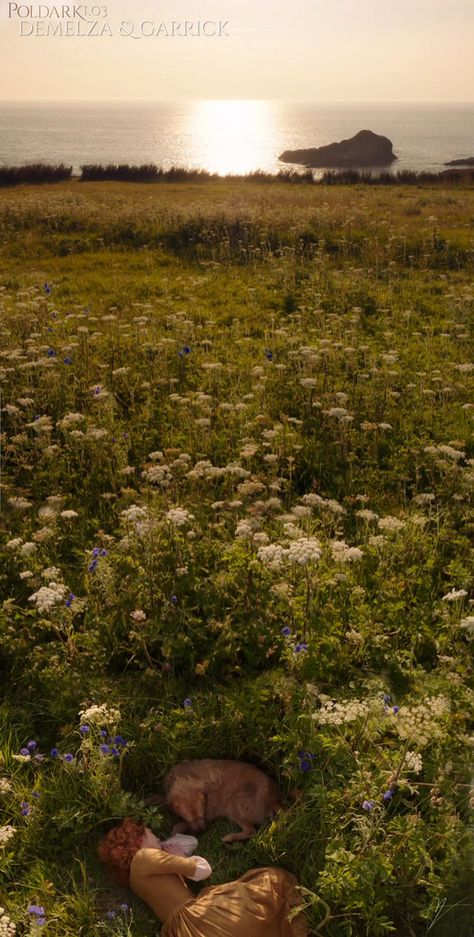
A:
[156, 800]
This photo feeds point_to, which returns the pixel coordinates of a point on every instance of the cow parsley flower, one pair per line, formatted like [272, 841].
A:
[304, 551]
[6, 833]
[48, 596]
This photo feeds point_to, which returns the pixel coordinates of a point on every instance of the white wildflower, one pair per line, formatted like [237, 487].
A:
[413, 762]
[468, 624]
[7, 927]
[339, 713]
[19, 503]
[271, 555]
[244, 530]
[390, 523]
[14, 544]
[343, 553]
[52, 572]
[425, 497]
[134, 513]
[304, 551]
[27, 549]
[68, 515]
[367, 516]
[421, 723]
[5, 786]
[100, 714]
[454, 594]
[158, 475]
[179, 517]
[48, 596]
[6, 833]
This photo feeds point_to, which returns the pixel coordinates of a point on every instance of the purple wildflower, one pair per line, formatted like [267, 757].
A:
[301, 646]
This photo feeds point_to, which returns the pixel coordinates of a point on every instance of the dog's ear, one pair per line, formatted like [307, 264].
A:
[155, 800]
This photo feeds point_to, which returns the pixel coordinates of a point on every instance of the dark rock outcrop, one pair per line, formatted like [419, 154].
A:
[364, 149]
[461, 162]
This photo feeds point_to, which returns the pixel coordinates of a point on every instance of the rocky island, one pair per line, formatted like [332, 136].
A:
[469, 161]
[364, 149]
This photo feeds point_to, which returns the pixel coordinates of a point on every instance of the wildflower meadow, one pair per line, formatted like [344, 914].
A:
[237, 467]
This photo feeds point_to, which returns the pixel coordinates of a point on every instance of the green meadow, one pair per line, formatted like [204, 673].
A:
[236, 521]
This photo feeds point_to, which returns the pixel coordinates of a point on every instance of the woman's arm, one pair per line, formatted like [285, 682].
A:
[158, 862]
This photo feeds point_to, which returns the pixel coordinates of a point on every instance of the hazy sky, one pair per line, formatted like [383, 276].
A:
[321, 50]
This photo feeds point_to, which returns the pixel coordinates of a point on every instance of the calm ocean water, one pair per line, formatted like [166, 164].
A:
[225, 136]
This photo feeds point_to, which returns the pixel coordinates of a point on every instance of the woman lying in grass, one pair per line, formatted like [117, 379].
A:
[257, 904]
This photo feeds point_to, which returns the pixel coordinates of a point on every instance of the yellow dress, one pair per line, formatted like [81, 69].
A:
[255, 905]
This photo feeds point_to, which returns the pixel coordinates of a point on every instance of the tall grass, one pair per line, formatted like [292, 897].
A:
[34, 174]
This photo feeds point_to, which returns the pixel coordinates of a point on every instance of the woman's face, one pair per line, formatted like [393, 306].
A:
[149, 840]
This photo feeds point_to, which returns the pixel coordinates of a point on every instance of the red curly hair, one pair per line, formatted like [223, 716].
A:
[119, 846]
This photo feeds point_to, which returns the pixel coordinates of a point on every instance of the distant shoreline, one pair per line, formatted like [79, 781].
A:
[150, 174]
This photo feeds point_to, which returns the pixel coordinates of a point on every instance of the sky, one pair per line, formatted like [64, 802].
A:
[308, 50]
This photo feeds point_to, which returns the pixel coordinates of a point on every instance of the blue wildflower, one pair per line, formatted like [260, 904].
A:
[104, 749]
[36, 794]
[96, 551]
[368, 805]
[111, 914]
[47, 289]
[67, 360]
[187, 703]
[25, 808]
[32, 745]
[174, 599]
[286, 631]
[268, 354]
[386, 698]
[84, 729]
[306, 759]
[115, 752]
[25, 751]
[54, 752]
[70, 600]
[104, 733]
[388, 796]
[396, 709]
[124, 908]
[51, 353]
[68, 757]
[36, 909]
[301, 646]
[93, 566]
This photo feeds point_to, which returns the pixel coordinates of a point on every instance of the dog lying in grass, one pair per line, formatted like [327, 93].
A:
[204, 789]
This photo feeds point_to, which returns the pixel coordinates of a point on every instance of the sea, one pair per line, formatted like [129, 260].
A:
[225, 136]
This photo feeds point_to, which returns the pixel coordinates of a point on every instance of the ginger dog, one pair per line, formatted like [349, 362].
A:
[203, 790]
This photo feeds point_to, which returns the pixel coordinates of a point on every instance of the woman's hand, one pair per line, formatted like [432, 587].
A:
[203, 870]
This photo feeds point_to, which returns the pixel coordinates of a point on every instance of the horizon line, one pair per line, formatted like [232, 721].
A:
[192, 100]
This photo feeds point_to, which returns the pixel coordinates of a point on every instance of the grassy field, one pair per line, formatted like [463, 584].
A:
[237, 463]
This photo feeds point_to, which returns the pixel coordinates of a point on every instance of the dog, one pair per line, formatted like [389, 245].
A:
[204, 789]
